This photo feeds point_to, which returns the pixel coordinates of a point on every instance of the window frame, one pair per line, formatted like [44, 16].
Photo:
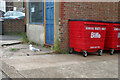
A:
[30, 14]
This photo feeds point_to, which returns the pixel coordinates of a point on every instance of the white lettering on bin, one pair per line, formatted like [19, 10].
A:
[95, 28]
[118, 35]
[115, 29]
[94, 47]
[95, 35]
[103, 28]
[89, 28]
[118, 45]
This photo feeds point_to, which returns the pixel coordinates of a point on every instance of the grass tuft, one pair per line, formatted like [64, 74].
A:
[14, 49]
[57, 49]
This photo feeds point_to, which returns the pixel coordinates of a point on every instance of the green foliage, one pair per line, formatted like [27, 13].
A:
[32, 43]
[64, 52]
[57, 49]
[14, 49]
[25, 38]
[42, 45]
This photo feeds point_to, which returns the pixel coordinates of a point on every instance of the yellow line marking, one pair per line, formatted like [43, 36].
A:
[54, 22]
[44, 23]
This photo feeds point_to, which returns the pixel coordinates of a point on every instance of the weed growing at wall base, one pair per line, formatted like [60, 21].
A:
[25, 38]
[57, 49]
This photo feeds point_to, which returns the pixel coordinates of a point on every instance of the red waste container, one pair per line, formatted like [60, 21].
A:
[86, 36]
[112, 41]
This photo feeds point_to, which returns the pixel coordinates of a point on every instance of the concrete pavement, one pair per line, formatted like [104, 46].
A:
[10, 39]
[22, 50]
[61, 66]
[16, 64]
[19, 49]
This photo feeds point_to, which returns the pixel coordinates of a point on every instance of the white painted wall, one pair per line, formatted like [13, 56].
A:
[3, 5]
[35, 33]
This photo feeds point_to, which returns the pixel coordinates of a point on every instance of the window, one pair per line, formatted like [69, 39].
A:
[36, 12]
[23, 4]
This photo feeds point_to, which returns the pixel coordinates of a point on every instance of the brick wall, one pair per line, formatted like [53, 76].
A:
[107, 11]
[119, 11]
[14, 26]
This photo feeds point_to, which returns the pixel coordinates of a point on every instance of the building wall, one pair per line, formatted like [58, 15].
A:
[107, 11]
[3, 5]
[13, 26]
[71, 10]
[35, 32]
[119, 11]
[56, 20]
